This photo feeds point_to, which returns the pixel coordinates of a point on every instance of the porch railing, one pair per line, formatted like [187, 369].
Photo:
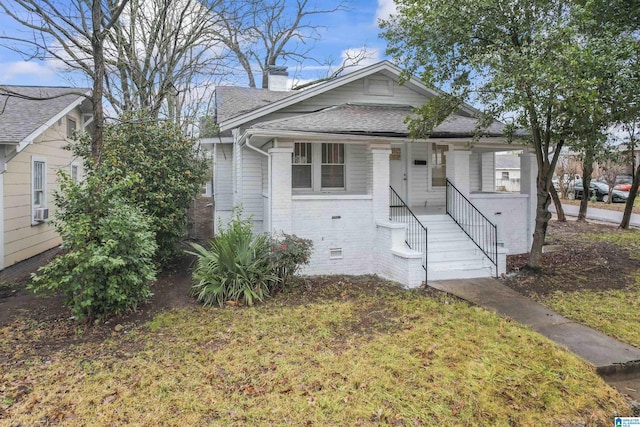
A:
[480, 230]
[416, 237]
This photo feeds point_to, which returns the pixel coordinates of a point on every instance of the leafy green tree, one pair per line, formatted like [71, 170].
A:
[519, 57]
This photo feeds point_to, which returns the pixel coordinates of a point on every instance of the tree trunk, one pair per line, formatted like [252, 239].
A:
[540, 231]
[97, 45]
[587, 170]
[557, 204]
[628, 208]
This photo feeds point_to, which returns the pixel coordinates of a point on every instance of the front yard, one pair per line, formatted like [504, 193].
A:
[334, 351]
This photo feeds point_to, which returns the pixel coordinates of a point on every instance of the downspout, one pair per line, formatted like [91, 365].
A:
[247, 139]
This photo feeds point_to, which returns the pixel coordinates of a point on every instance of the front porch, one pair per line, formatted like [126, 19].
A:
[337, 194]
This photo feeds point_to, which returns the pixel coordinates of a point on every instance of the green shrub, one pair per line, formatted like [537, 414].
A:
[237, 267]
[168, 169]
[288, 254]
[109, 247]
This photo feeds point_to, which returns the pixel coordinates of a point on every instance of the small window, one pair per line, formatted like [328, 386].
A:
[302, 169]
[39, 171]
[505, 175]
[71, 127]
[74, 173]
[332, 169]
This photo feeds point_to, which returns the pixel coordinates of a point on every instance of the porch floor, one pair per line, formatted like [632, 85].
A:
[428, 210]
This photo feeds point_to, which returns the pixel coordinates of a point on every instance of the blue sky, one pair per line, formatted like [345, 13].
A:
[342, 31]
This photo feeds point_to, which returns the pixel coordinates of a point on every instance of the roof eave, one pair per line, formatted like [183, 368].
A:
[33, 135]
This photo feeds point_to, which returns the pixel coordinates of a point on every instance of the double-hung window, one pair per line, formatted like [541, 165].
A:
[332, 169]
[38, 184]
[302, 166]
[318, 167]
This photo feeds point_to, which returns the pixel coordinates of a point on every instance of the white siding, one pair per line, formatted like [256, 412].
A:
[419, 174]
[223, 177]
[357, 168]
[475, 173]
[488, 172]
[354, 92]
[252, 204]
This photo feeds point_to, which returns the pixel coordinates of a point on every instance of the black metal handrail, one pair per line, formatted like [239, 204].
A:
[480, 230]
[416, 237]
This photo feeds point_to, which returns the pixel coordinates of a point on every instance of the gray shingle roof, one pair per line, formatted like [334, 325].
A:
[232, 101]
[20, 117]
[373, 120]
[507, 161]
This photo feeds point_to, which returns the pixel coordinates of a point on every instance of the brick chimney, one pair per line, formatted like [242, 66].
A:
[277, 80]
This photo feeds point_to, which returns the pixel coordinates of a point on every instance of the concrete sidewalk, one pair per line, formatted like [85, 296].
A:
[607, 354]
[605, 215]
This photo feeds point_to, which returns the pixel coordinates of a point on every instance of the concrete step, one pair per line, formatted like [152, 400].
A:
[455, 254]
[471, 271]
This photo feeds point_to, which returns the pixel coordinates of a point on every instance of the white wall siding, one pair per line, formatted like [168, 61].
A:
[252, 200]
[419, 174]
[354, 92]
[336, 223]
[475, 171]
[488, 171]
[357, 168]
[223, 177]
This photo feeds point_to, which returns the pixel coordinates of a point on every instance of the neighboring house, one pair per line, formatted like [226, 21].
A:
[508, 172]
[33, 134]
[334, 163]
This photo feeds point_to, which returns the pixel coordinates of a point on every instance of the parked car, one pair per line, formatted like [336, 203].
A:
[600, 190]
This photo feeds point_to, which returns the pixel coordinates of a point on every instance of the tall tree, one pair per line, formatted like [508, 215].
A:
[259, 33]
[515, 57]
[73, 32]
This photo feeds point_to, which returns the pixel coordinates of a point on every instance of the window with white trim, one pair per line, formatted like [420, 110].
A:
[332, 169]
[74, 171]
[318, 167]
[302, 166]
[38, 184]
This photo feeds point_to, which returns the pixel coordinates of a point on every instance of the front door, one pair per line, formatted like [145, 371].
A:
[398, 170]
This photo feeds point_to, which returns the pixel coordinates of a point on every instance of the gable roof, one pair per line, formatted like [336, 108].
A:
[23, 116]
[385, 67]
[369, 119]
[232, 101]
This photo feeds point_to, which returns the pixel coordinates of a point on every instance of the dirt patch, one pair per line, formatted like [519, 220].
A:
[44, 325]
[576, 262]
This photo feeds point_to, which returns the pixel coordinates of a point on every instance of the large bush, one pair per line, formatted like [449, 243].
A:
[244, 267]
[170, 168]
[109, 246]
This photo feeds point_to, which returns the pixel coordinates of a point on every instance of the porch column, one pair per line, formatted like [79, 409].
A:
[280, 197]
[528, 185]
[380, 181]
[458, 170]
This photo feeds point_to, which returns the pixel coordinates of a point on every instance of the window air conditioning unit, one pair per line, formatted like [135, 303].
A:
[41, 214]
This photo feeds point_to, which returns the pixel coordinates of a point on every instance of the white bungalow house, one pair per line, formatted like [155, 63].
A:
[36, 123]
[334, 163]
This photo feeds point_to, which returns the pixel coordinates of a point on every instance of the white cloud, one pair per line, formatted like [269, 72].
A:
[385, 8]
[359, 57]
[23, 72]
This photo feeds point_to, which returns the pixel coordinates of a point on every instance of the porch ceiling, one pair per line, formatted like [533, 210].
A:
[374, 120]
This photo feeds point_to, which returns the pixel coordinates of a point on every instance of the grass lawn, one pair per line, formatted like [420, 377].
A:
[610, 206]
[614, 310]
[352, 351]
